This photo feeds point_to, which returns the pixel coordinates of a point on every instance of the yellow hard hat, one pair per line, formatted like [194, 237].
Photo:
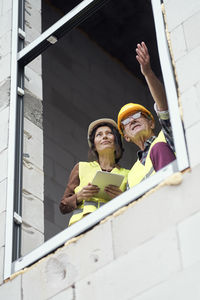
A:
[129, 108]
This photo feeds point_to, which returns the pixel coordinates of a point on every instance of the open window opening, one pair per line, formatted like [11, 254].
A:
[90, 73]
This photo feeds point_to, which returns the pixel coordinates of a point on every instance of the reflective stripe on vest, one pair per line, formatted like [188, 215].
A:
[140, 172]
[87, 171]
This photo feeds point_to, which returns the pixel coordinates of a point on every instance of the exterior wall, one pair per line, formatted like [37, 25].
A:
[184, 34]
[5, 57]
[33, 175]
[151, 249]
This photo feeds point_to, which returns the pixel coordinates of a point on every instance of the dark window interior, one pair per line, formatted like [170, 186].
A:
[88, 74]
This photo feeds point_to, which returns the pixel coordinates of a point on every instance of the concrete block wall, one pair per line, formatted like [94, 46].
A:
[32, 20]
[147, 251]
[184, 33]
[5, 57]
[81, 83]
[33, 175]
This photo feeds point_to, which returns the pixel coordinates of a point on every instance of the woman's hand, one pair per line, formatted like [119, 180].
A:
[112, 190]
[87, 192]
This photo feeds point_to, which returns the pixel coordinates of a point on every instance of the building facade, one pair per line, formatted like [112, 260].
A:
[147, 249]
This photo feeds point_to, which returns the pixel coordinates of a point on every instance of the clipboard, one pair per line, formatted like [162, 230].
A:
[102, 179]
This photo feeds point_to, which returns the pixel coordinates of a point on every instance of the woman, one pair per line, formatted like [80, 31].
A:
[105, 151]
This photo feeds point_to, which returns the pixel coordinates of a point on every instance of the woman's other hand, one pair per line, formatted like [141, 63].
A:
[87, 192]
[112, 190]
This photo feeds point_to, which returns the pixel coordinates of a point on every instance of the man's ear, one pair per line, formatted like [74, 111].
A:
[152, 124]
[127, 138]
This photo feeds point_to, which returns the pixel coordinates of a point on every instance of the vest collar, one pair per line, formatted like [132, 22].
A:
[147, 145]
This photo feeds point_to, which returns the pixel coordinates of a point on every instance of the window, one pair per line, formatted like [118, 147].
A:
[22, 57]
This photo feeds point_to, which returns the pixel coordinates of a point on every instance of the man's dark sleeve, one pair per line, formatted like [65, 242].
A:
[161, 155]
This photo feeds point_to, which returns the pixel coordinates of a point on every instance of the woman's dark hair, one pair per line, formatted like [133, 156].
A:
[93, 155]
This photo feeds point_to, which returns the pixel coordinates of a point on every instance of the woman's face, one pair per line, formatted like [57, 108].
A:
[104, 139]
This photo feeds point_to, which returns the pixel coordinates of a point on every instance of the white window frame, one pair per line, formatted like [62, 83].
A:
[26, 55]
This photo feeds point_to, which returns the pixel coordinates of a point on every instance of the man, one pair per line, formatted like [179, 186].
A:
[137, 124]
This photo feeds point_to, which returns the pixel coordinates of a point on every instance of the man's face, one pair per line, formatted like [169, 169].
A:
[137, 125]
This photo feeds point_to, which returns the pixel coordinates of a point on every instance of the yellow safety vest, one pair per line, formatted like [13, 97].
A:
[139, 172]
[87, 171]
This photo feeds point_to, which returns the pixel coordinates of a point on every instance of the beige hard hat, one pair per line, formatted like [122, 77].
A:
[98, 122]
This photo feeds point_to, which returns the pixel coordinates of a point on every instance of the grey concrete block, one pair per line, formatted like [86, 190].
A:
[5, 44]
[193, 145]
[151, 263]
[187, 73]
[6, 6]
[12, 289]
[32, 130]
[33, 16]
[33, 211]
[33, 180]
[33, 82]
[155, 213]
[34, 3]
[31, 239]
[33, 109]
[2, 252]
[5, 93]
[5, 67]
[3, 228]
[1, 7]
[6, 19]
[178, 42]
[3, 195]
[64, 295]
[33, 147]
[191, 31]
[189, 240]
[4, 121]
[187, 10]
[183, 285]
[36, 64]
[4, 164]
[191, 107]
[59, 271]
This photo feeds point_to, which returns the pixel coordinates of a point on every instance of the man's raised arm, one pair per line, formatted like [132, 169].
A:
[155, 86]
